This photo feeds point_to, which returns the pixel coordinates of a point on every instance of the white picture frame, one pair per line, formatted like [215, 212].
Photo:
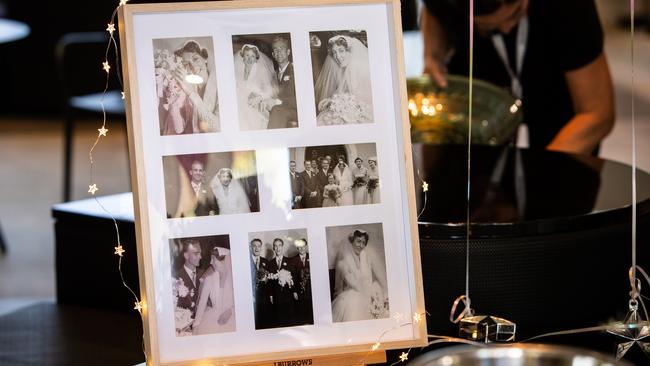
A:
[213, 133]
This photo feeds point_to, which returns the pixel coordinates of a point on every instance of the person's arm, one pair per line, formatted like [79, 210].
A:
[436, 47]
[593, 101]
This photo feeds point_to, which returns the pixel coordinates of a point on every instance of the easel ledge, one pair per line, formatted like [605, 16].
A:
[347, 359]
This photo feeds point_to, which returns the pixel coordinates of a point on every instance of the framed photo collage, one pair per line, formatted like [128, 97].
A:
[272, 175]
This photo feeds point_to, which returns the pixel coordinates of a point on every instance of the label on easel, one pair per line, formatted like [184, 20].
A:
[350, 359]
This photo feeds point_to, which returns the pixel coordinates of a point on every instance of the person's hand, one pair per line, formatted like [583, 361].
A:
[179, 74]
[436, 49]
[223, 318]
[313, 194]
[436, 69]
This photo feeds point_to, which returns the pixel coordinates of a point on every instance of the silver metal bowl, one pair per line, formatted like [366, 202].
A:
[441, 116]
[515, 355]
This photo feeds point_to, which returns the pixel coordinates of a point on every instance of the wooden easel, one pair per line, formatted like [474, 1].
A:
[346, 359]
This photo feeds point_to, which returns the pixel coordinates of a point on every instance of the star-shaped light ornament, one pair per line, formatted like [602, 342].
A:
[92, 188]
[123, 2]
[102, 131]
[375, 346]
[417, 318]
[403, 357]
[138, 306]
[123, 96]
[111, 28]
[119, 250]
[634, 329]
[106, 66]
[425, 186]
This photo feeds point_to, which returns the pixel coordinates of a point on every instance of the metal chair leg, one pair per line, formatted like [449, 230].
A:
[68, 129]
[3, 246]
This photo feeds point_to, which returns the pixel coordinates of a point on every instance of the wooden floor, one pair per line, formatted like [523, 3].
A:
[31, 159]
[31, 152]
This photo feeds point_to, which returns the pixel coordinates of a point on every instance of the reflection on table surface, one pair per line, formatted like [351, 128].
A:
[12, 30]
[516, 185]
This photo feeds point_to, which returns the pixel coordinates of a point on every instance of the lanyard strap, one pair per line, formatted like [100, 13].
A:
[500, 47]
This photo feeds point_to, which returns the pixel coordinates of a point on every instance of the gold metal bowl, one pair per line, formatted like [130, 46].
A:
[440, 115]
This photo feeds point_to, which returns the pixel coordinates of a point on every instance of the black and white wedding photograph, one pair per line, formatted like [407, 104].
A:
[280, 269]
[202, 285]
[341, 72]
[357, 266]
[264, 76]
[186, 85]
[334, 175]
[211, 184]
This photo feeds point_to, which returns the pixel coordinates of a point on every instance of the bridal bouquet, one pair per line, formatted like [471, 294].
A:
[183, 320]
[342, 109]
[262, 277]
[283, 277]
[378, 302]
[332, 194]
[372, 184]
[182, 316]
[179, 290]
[359, 182]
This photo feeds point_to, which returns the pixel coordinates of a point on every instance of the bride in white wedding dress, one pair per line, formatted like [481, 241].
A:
[215, 312]
[360, 286]
[230, 195]
[257, 87]
[343, 90]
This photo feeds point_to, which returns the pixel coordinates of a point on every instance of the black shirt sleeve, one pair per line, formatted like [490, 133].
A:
[576, 31]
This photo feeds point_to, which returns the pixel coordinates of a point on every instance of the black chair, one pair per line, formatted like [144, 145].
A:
[3, 246]
[79, 58]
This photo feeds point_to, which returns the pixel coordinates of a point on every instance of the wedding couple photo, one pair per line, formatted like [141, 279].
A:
[186, 85]
[266, 93]
[211, 184]
[341, 73]
[202, 285]
[357, 272]
[280, 270]
[334, 175]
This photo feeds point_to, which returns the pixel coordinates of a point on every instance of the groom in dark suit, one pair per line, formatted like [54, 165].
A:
[285, 114]
[323, 172]
[206, 203]
[189, 274]
[302, 283]
[284, 294]
[296, 186]
[310, 189]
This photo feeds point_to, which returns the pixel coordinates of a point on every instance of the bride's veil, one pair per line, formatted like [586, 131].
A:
[261, 77]
[353, 79]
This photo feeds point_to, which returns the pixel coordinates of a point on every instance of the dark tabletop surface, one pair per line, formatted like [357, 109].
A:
[53, 335]
[521, 191]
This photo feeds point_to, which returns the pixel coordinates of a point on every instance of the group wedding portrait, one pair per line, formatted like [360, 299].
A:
[334, 175]
[280, 268]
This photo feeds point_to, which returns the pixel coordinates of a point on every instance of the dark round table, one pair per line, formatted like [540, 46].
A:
[550, 238]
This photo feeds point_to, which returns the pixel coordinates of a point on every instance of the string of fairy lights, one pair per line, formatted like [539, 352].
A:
[416, 318]
[119, 250]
